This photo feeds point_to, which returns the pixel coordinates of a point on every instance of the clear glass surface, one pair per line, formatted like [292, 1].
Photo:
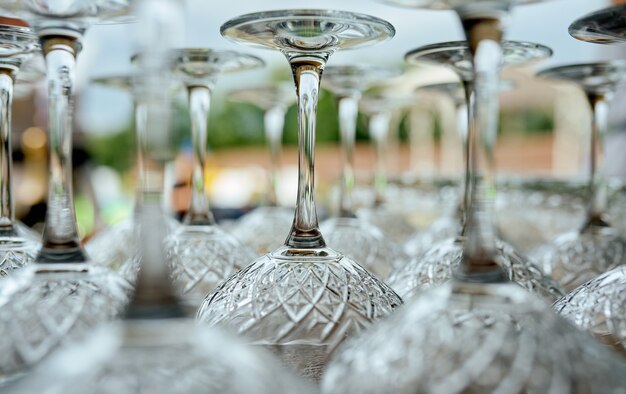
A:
[606, 26]
[263, 230]
[579, 256]
[303, 299]
[18, 244]
[474, 338]
[201, 254]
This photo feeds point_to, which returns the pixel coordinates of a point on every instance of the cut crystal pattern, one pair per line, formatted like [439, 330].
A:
[166, 357]
[18, 250]
[43, 307]
[578, 257]
[363, 242]
[201, 257]
[599, 306]
[485, 339]
[263, 230]
[435, 267]
[311, 304]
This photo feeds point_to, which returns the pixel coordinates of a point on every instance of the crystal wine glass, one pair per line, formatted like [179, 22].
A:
[598, 305]
[435, 264]
[18, 244]
[155, 349]
[456, 56]
[62, 295]
[264, 228]
[479, 332]
[201, 254]
[579, 256]
[303, 299]
[384, 111]
[345, 232]
[116, 247]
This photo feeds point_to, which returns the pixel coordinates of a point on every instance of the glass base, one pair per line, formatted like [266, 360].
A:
[308, 298]
[161, 357]
[595, 78]
[577, 257]
[201, 257]
[43, 306]
[468, 338]
[436, 266]
[607, 26]
[599, 306]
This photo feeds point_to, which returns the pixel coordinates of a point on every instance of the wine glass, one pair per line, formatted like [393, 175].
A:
[303, 299]
[263, 229]
[581, 255]
[479, 332]
[18, 244]
[202, 254]
[598, 305]
[384, 110]
[433, 263]
[116, 247]
[62, 295]
[456, 56]
[352, 236]
[156, 349]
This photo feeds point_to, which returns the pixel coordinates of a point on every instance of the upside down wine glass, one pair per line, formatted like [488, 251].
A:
[384, 112]
[201, 254]
[579, 256]
[479, 332]
[263, 229]
[18, 244]
[599, 305]
[155, 348]
[303, 299]
[433, 264]
[345, 232]
[62, 295]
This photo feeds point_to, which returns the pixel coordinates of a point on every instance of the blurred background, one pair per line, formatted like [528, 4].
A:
[542, 135]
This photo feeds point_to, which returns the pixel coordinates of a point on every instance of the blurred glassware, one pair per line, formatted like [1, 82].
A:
[264, 229]
[62, 295]
[303, 299]
[156, 349]
[18, 243]
[116, 247]
[598, 305]
[579, 256]
[200, 252]
[433, 263]
[350, 235]
[384, 110]
[479, 332]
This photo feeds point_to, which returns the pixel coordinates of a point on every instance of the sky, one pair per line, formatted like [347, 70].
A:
[107, 48]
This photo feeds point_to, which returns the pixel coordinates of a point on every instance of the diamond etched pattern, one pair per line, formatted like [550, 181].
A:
[41, 310]
[435, 267]
[499, 339]
[19, 250]
[575, 258]
[599, 306]
[201, 257]
[312, 301]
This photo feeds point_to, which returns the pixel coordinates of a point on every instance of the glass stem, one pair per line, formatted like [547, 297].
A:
[379, 132]
[61, 243]
[274, 119]
[6, 162]
[348, 115]
[305, 233]
[484, 35]
[140, 142]
[598, 194]
[199, 213]
[465, 125]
